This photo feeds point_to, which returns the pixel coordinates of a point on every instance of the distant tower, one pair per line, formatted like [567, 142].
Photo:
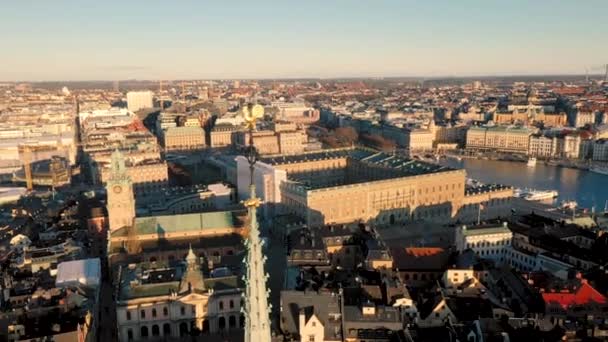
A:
[121, 203]
[257, 309]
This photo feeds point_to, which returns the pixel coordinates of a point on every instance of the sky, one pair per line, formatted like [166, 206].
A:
[197, 39]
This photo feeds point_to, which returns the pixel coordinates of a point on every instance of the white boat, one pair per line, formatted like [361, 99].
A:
[602, 170]
[568, 204]
[531, 162]
[535, 195]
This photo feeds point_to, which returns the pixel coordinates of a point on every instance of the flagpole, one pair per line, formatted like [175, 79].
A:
[479, 214]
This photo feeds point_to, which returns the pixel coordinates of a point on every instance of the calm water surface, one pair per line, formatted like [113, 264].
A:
[587, 188]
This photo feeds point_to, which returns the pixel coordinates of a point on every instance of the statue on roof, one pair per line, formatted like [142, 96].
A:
[193, 276]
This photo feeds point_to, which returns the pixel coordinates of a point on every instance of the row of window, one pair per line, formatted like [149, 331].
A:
[482, 244]
[142, 313]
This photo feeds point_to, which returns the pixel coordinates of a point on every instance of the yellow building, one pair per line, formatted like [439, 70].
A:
[499, 138]
[147, 176]
[222, 135]
[527, 117]
[183, 138]
[345, 185]
[283, 139]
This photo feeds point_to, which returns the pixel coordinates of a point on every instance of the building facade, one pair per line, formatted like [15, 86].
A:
[174, 302]
[184, 138]
[137, 100]
[222, 136]
[499, 138]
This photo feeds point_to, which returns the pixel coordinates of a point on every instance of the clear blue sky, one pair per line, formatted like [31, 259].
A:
[150, 39]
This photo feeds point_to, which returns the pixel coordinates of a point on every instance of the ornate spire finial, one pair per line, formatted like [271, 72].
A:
[257, 309]
[191, 257]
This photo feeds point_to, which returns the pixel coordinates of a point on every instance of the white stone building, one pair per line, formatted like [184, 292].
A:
[487, 241]
[164, 303]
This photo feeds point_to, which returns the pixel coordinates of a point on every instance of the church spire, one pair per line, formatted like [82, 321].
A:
[257, 309]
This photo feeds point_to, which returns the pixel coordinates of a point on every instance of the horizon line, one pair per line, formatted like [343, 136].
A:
[418, 77]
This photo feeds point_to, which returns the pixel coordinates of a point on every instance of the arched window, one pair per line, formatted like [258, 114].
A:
[232, 322]
[144, 331]
[155, 330]
[222, 323]
[128, 315]
[130, 335]
[183, 329]
[221, 305]
[183, 310]
[166, 329]
[153, 313]
[142, 313]
[165, 311]
[231, 304]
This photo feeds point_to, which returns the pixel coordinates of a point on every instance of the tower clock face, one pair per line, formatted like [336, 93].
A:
[117, 189]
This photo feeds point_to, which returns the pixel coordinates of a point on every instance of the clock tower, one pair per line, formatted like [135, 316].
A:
[119, 188]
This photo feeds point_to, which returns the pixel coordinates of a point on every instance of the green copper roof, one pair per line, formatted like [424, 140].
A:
[150, 290]
[181, 223]
[499, 229]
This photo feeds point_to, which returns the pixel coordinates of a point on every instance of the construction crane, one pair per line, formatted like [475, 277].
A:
[606, 73]
[160, 95]
[27, 165]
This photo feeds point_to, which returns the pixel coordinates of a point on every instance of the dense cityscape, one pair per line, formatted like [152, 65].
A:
[128, 212]
[304, 171]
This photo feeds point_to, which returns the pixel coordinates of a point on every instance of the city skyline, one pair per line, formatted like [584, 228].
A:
[65, 42]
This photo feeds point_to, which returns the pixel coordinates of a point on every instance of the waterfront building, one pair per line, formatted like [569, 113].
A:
[499, 138]
[600, 150]
[448, 134]
[485, 202]
[345, 185]
[419, 139]
[541, 146]
[569, 146]
[137, 100]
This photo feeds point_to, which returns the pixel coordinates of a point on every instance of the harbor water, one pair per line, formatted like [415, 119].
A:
[588, 189]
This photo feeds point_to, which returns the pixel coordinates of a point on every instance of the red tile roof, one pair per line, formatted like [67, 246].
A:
[585, 294]
[423, 251]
